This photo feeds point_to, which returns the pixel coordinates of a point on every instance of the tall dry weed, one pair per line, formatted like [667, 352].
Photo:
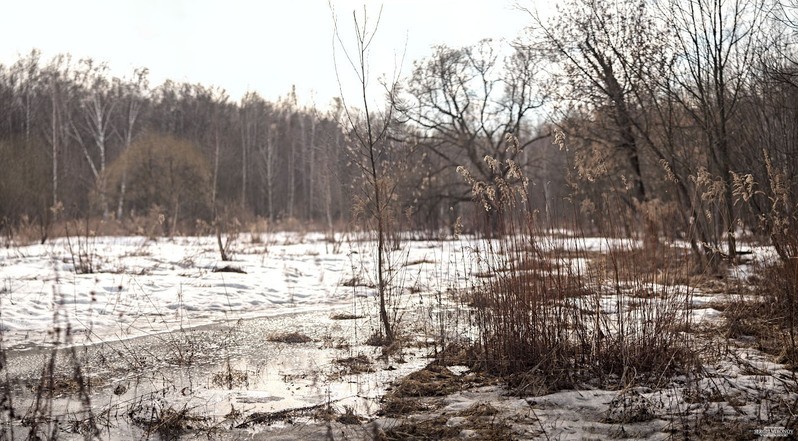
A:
[543, 308]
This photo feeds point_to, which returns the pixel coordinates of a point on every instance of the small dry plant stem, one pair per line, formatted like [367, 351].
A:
[82, 252]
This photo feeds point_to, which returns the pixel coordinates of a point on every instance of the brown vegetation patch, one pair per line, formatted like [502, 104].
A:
[429, 429]
[290, 337]
[716, 427]
[524, 289]
[491, 430]
[663, 264]
[420, 391]
[557, 376]
[330, 413]
[393, 406]
[349, 417]
[345, 316]
[330, 342]
[357, 282]
[478, 410]
[758, 324]
[432, 381]
[359, 364]
[229, 269]
[169, 423]
[457, 354]
[378, 340]
[714, 284]
[532, 264]
[480, 421]
[230, 378]
[61, 386]
[628, 407]
[536, 384]
[322, 411]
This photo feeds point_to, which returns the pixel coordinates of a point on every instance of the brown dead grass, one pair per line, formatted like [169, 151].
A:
[349, 417]
[429, 429]
[432, 381]
[758, 325]
[346, 316]
[172, 423]
[421, 390]
[290, 337]
[394, 406]
[412, 393]
[481, 420]
[478, 410]
[230, 378]
[359, 364]
[229, 269]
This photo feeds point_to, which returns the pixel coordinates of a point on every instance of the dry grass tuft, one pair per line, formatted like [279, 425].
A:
[479, 422]
[432, 381]
[629, 407]
[346, 316]
[553, 308]
[762, 325]
[359, 364]
[290, 337]
[394, 406]
[349, 417]
[169, 423]
[230, 378]
[229, 269]
[478, 410]
[357, 282]
[429, 429]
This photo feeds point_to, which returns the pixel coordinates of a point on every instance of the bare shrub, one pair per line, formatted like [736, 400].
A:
[778, 282]
[164, 171]
[541, 310]
[169, 423]
[81, 246]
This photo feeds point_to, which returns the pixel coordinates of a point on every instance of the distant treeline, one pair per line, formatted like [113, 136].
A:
[673, 117]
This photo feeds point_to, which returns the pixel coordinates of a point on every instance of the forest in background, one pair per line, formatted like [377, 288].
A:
[673, 117]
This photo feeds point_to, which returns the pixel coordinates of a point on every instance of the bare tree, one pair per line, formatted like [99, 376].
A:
[132, 95]
[267, 148]
[370, 135]
[309, 140]
[95, 109]
[252, 113]
[600, 51]
[716, 44]
[464, 104]
[61, 91]
[25, 73]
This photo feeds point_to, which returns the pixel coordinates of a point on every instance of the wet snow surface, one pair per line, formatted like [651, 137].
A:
[166, 326]
[140, 286]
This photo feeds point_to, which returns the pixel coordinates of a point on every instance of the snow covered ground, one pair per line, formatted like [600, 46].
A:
[141, 286]
[204, 326]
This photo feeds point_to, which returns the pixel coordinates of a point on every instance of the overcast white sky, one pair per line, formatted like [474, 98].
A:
[241, 45]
